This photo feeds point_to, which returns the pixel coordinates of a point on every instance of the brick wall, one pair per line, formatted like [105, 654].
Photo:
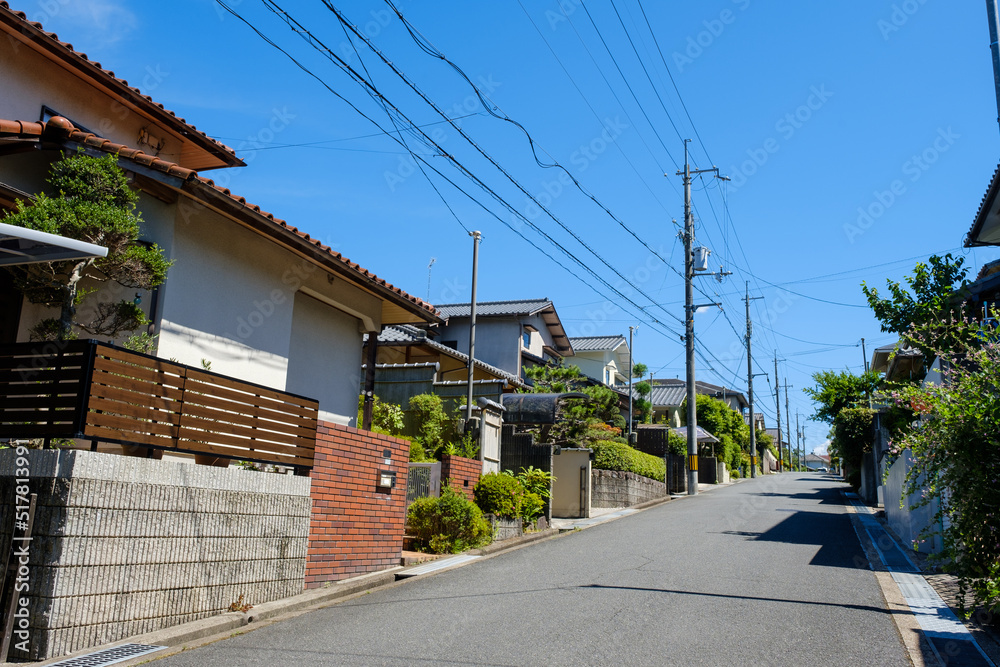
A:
[463, 473]
[356, 526]
[616, 488]
[127, 545]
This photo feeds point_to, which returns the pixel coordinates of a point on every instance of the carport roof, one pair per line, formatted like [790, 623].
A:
[19, 245]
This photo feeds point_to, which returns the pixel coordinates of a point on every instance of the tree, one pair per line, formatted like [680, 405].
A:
[601, 406]
[935, 293]
[93, 203]
[727, 425]
[836, 390]
[642, 405]
[956, 456]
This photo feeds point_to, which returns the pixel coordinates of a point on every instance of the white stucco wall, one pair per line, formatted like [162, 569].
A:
[29, 80]
[594, 364]
[322, 362]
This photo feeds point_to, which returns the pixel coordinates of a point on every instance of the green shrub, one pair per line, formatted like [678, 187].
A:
[417, 453]
[449, 524]
[537, 481]
[431, 421]
[386, 417]
[609, 455]
[532, 506]
[499, 494]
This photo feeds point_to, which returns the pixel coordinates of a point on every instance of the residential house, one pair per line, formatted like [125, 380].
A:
[257, 297]
[668, 396]
[817, 462]
[410, 362]
[510, 335]
[275, 311]
[605, 358]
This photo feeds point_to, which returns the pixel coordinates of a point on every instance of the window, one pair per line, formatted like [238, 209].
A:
[526, 339]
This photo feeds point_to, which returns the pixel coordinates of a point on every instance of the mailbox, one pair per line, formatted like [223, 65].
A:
[386, 479]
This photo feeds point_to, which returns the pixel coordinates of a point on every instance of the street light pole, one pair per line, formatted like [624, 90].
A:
[630, 374]
[753, 422]
[472, 325]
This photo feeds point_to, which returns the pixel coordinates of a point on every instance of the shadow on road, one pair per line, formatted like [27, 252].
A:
[858, 607]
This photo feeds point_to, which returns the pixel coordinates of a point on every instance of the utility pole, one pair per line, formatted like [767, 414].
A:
[864, 354]
[777, 405]
[472, 326]
[753, 422]
[630, 374]
[689, 308]
[994, 15]
[788, 426]
[798, 440]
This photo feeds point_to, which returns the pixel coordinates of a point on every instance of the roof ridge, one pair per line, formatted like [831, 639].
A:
[483, 303]
[82, 57]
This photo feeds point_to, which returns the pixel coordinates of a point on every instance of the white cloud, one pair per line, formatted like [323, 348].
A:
[823, 449]
[102, 22]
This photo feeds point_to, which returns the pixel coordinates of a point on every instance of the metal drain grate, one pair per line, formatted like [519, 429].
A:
[109, 656]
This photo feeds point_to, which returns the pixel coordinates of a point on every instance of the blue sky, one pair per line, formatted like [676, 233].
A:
[859, 137]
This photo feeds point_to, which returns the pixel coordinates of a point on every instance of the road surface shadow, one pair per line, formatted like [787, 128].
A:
[858, 607]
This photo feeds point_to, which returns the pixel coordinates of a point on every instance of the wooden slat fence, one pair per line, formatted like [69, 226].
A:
[137, 399]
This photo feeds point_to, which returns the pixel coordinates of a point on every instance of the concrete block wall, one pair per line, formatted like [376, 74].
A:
[463, 474]
[616, 488]
[356, 526]
[128, 545]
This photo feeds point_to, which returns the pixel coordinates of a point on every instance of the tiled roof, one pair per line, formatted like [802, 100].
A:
[34, 31]
[408, 334]
[495, 308]
[984, 210]
[597, 343]
[667, 395]
[59, 130]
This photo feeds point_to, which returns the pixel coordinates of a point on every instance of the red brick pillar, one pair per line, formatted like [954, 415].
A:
[356, 525]
[464, 473]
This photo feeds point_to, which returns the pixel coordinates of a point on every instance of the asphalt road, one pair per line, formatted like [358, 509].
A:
[764, 572]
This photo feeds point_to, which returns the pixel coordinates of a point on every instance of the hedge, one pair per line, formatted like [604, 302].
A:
[610, 455]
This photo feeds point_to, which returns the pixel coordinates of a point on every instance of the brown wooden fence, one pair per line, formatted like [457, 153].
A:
[99, 392]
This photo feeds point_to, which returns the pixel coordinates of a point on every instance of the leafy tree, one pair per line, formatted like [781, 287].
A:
[432, 422]
[642, 405]
[853, 435]
[576, 415]
[835, 391]
[727, 425]
[933, 295]
[639, 370]
[93, 203]
[956, 457]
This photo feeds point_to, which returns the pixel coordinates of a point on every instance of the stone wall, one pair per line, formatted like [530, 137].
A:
[357, 526]
[127, 545]
[462, 474]
[615, 488]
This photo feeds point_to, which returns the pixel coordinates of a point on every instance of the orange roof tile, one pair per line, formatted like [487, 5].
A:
[35, 31]
[60, 129]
